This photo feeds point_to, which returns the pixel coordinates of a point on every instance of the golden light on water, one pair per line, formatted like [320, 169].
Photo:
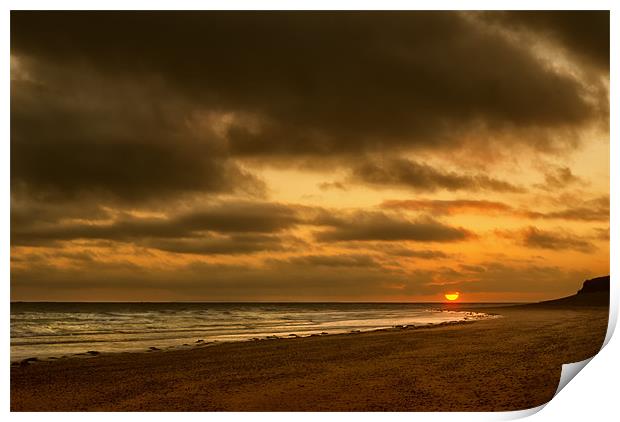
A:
[452, 296]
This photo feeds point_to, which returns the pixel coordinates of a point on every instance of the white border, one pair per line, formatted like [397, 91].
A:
[312, 5]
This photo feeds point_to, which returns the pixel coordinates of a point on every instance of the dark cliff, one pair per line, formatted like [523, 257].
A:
[594, 292]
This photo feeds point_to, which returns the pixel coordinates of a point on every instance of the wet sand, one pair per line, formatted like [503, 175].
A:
[508, 363]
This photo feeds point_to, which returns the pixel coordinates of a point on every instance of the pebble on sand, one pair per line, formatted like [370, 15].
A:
[27, 361]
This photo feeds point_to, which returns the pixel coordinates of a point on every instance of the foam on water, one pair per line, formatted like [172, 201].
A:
[57, 329]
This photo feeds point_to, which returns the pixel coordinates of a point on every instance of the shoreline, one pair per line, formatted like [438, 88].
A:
[206, 343]
[507, 363]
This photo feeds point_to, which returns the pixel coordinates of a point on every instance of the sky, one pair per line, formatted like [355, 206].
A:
[308, 156]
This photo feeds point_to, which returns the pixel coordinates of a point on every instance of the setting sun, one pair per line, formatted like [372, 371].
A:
[452, 296]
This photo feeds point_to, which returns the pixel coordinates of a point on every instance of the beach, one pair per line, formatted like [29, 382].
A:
[511, 362]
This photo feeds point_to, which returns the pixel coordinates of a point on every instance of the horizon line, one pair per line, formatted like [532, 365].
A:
[268, 301]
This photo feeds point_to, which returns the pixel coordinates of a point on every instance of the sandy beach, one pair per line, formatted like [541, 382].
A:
[507, 363]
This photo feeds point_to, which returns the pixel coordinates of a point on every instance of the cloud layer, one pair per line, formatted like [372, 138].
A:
[308, 155]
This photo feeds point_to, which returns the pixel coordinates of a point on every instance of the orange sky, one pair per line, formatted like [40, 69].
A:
[447, 152]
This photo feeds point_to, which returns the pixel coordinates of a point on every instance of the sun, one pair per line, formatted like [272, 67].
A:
[452, 296]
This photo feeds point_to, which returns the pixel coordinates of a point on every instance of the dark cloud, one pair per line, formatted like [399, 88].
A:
[111, 142]
[39, 257]
[369, 226]
[237, 227]
[311, 82]
[277, 281]
[26, 212]
[559, 178]
[124, 123]
[421, 177]
[221, 245]
[590, 210]
[133, 115]
[236, 216]
[184, 232]
[587, 210]
[393, 249]
[332, 261]
[584, 33]
[448, 207]
[472, 268]
[332, 185]
[602, 233]
[533, 237]
[413, 253]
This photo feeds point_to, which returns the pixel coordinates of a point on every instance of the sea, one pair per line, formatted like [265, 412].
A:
[48, 330]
